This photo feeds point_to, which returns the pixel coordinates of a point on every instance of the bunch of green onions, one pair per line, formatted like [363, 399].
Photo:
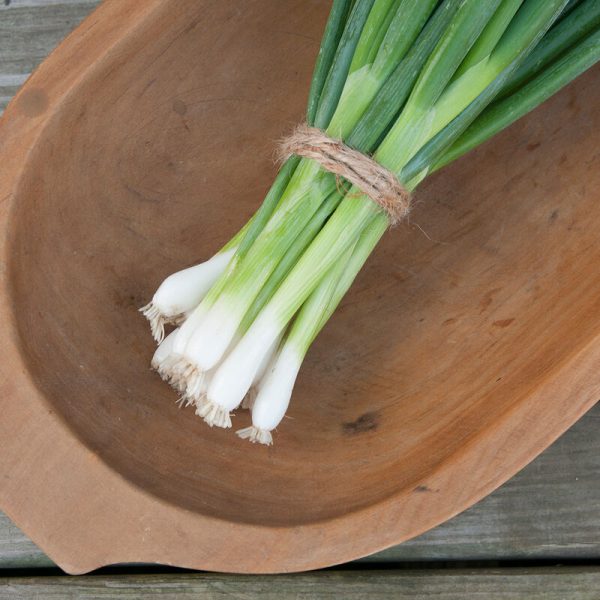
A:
[413, 83]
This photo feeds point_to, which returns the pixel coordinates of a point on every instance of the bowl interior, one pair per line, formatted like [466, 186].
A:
[164, 152]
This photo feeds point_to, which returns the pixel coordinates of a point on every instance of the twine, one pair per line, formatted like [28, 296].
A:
[371, 178]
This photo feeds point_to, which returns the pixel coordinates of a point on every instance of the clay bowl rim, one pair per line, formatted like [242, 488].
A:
[55, 513]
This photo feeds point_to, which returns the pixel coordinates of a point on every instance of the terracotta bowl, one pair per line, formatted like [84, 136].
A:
[468, 344]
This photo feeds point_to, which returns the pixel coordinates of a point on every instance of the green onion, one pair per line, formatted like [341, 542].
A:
[416, 83]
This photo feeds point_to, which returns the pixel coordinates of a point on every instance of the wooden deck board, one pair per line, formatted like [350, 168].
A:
[501, 584]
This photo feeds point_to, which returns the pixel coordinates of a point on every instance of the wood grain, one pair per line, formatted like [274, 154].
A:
[492, 422]
[503, 584]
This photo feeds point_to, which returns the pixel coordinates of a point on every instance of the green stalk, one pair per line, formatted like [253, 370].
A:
[289, 259]
[331, 38]
[397, 27]
[584, 19]
[350, 218]
[375, 28]
[503, 113]
[490, 36]
[321, 304]
[263, 214]
[338, 73]
[508, 56]
[252, 229]
[414, 126]
[571, 5]
[361, 252]
[310, 318]
[467, 25]
[525, 31]
[386, 105]
[408, 21]
[343, 32]
[300, 200]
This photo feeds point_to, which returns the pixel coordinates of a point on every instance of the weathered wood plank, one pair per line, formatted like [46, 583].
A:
[17, 551]
[29, 30]
[43, 3]
[503, 584]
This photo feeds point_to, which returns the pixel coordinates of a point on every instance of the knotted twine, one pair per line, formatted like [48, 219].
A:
[361, 170]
